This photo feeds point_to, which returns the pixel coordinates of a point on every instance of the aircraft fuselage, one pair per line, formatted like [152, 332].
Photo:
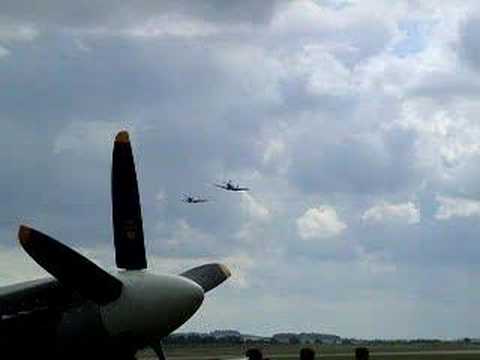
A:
[150, 307]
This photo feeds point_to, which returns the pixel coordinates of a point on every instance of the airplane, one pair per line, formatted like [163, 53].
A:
[85, 312]
[231, 187]
[193, 199]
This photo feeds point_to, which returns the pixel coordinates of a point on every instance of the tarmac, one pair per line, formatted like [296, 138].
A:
[289, 355]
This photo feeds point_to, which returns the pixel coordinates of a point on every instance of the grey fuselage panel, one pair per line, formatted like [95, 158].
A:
[43, 318]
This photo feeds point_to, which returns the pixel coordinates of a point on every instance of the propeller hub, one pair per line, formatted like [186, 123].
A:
[151, 305]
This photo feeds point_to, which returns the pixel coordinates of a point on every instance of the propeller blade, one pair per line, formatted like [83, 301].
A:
[69, 267]
[208, 276]
[126, 212]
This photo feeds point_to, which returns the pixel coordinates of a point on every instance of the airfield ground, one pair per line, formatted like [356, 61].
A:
[445, 351]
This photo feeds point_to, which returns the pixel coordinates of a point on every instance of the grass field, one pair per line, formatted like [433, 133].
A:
[338, 352]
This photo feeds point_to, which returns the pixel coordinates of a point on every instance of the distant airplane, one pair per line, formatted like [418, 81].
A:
[193, 199]
[231, 187]
[85, 312]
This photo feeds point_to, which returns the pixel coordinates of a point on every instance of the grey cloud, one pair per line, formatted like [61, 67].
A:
[469, 48]
[118, 14]
[358, 165]
[205, 110]
[187, 136]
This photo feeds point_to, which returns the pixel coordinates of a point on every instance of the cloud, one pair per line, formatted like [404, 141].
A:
[16, 266]
[82, 137]
[240, 265]
[4, 52]
[320, 222]
[112, 16]
[469, 47]
[11, 31]
[451, 207]
[304, 102]
[176, 25]
[255, 210]
[372, 162]
[406, 213]
[274, 155]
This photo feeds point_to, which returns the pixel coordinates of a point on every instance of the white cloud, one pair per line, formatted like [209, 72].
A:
[239, 264]
[174, 25]
[374, 264]
[161, 196]
[327, 75]
[184, 235]
[447, 135]
[255, 210]
[4, 52]
[456, 207]
[88, 137]
[307, 17]
[254, 229]
[10, 31]
[274, 151]
[320, 222]
[406, 213]
[368, 98]
[17, 266]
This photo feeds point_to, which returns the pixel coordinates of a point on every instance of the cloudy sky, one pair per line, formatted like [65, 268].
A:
[355, 124]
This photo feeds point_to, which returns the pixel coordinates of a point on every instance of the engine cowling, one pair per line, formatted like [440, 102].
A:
[151, 305]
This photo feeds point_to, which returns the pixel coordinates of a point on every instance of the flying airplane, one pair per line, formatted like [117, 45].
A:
[231, 187]
[193, 199]
[85, 312]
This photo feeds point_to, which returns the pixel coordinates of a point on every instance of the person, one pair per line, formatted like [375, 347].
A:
[254, 354]
[307, 354]
[362, 353]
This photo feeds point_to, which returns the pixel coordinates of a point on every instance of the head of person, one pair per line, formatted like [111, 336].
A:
[254, 354]
[307, 354]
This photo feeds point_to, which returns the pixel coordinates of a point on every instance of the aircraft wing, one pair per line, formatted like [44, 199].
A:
[220, 186]
[31, 296]
[29, 315]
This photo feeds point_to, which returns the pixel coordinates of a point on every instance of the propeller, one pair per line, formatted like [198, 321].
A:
[69, 267]
[126, 212]
[131, 302]
[208, 276]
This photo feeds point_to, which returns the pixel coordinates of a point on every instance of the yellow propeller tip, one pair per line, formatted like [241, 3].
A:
[225, 270]
[122, 137]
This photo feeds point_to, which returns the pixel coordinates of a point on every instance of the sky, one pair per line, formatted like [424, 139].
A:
[355, 124]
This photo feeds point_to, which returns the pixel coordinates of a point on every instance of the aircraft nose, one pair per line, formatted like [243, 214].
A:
[189, 296]
[185, 303]
[152, 305]
[195, 294]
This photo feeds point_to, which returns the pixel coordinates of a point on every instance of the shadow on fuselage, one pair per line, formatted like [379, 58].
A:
[73, 334]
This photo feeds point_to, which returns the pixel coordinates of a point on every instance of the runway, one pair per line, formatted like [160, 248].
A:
[290, 355]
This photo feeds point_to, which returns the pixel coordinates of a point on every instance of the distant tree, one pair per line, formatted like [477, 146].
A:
[293, 340]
